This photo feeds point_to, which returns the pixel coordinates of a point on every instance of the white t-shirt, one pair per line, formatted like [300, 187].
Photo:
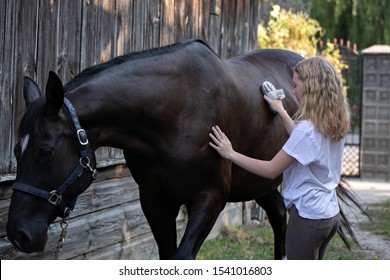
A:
[310, 183]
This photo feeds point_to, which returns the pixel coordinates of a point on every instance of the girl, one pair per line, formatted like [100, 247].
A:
[310, 160]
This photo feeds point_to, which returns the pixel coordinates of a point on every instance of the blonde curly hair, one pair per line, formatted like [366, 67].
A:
[323, 100]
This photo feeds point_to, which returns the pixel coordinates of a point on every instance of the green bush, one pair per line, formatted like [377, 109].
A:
[299, 33]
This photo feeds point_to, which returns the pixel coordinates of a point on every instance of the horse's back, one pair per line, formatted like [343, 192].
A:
[195, 89]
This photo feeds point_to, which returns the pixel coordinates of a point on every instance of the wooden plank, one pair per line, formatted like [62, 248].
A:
[215, 30]
[180, 19]
[193, 18]
[143, 247]
[167, 22]
[47, 41]
[153, 23]
[26, 58]
[7, 82]
[255, 12]
[225, 40]
[138, 25]
[238, 27]
[4, 206]
[105, 228]
[186, 20]
[106, 194]
[68, 39]
[125, 25]
[204, 20]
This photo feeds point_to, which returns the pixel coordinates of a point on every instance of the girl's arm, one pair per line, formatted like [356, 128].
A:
[267, 169]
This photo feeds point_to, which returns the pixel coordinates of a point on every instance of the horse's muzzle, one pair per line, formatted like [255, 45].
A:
[26, 241]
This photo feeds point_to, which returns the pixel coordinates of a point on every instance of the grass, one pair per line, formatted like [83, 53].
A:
[380, 224]
[239, 243]
[256, 243]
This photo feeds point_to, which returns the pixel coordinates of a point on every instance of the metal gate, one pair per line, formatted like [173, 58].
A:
[352, 76]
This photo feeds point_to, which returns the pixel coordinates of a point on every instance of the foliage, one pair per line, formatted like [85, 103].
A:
[288, 30]
[299, 33]
[365, 22]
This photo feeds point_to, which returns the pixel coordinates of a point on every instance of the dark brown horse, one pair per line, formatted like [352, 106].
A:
[158, 106]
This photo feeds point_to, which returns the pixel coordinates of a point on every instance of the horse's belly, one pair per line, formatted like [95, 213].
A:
[248, 187]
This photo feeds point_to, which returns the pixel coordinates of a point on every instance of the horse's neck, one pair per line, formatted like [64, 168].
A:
[110, 113]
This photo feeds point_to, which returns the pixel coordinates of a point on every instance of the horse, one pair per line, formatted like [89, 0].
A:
[158, 106]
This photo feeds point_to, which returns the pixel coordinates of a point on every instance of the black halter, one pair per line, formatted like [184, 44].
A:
[55, 197]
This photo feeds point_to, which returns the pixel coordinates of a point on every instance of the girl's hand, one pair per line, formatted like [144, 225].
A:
[276, 104]
[221, 143]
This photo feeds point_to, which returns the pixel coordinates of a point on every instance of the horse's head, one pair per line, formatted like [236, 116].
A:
[55, 164]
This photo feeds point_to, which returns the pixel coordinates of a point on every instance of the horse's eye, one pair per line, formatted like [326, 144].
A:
[46, 153]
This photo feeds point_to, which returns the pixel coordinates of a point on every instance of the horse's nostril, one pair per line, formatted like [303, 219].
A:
[23, 241]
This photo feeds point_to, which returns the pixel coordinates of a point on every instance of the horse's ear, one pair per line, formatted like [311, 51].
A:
[54, 94]
[31, 90]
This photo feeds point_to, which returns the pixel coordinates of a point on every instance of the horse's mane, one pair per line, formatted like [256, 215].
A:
[90, 71]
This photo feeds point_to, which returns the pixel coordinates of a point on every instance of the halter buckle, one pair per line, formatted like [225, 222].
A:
[54, 198]
[82, 136]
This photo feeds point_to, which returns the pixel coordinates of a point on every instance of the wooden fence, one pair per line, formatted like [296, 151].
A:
[66, 36]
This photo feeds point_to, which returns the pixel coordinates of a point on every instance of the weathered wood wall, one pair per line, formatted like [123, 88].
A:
[67, 36]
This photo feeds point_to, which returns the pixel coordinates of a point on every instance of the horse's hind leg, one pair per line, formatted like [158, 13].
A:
[276, 211]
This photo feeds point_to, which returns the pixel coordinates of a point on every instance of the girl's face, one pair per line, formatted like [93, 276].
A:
[298, 87]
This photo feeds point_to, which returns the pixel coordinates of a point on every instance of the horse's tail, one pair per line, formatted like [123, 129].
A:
[350, 199]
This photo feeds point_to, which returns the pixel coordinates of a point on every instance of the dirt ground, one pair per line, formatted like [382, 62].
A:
[373, 246]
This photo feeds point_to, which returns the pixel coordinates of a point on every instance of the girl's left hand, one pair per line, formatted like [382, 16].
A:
[221, 143]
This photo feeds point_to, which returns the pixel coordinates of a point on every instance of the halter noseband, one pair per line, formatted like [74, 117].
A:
[55, 197]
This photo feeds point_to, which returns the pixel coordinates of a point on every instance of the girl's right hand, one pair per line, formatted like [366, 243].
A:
[276, 104]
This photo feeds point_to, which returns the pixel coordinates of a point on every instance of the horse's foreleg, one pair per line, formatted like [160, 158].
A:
[203, 211]
[276, 211]
[161, 215]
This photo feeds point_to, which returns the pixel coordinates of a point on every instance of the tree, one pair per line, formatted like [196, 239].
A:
[365, 22]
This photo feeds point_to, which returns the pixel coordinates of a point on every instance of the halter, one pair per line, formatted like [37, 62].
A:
[55, 197]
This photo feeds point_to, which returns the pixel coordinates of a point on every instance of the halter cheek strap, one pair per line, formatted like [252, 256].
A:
[55, 197]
